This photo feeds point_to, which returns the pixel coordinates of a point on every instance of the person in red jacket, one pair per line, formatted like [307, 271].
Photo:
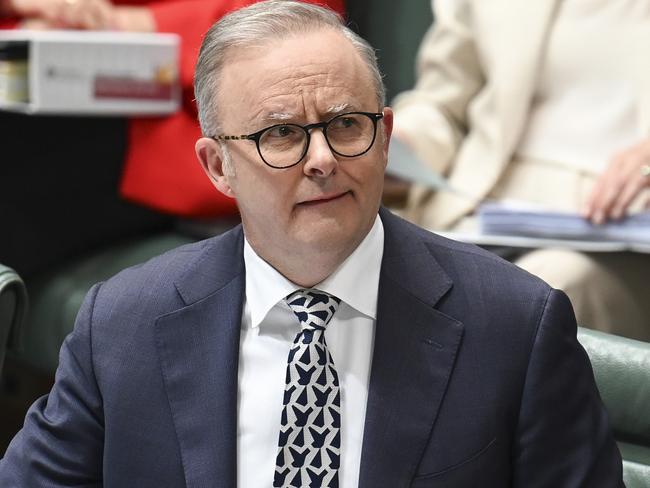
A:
[160, 170]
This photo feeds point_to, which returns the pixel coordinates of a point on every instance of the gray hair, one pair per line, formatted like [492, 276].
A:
[257, 25]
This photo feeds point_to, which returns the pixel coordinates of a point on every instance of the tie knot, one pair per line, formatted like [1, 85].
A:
[314, 308]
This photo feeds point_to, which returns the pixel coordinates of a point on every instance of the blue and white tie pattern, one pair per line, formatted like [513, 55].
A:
[309, 445]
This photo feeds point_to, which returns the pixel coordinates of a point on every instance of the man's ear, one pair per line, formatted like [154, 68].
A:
[387, 124]
[210, 156]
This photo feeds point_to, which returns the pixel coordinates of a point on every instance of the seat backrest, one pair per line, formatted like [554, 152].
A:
[395, 30]
[13, 304]
[622, 371]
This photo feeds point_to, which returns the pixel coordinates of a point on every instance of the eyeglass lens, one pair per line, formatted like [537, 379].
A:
[347, 134]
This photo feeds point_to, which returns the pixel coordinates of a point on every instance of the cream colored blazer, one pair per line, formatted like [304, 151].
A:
[477, 70]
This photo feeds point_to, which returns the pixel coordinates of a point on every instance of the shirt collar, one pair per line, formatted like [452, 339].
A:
[355, 281]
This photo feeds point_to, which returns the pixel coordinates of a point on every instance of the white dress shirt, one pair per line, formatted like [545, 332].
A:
[268, 330]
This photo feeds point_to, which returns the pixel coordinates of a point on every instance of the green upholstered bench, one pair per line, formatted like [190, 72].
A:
[395, 30]
[56, 296]
[13, 303]
[622, 370]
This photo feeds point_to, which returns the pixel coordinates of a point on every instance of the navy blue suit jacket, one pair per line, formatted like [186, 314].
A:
[477, 378]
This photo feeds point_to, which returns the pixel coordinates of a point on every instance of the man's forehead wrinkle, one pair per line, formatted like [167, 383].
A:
[280, 106]
[287, 107]
[303, 91]
[298, 80]
[289, 101]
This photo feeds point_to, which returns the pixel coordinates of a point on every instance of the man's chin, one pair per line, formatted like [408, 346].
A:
[329, 234]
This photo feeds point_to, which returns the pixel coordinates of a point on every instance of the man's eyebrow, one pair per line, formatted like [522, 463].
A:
[331, 110]
[338, 108]
[278, 116]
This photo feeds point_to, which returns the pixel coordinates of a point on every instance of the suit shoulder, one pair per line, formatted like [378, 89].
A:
[159, 270]
[505, 277]
[471, 259]
[155, 281]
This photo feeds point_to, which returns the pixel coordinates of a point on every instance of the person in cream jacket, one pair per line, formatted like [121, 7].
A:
[546, 102]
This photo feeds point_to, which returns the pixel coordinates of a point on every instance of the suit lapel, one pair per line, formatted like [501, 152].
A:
[198, 348]
[414, 353]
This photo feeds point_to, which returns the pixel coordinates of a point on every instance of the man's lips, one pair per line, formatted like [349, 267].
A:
[324, 199]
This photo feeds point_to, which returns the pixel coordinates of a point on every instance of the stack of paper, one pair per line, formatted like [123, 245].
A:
[520, 220]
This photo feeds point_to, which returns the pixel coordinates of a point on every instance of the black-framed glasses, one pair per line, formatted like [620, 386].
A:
[284, 145]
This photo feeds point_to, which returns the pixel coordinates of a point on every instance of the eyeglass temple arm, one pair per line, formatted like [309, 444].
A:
[221, 137]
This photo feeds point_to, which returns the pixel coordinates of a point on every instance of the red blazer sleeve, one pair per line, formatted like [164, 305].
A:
[8, 23]
[191, 19]
[161, 170]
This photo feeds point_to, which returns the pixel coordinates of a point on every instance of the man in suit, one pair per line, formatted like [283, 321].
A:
[397, 359]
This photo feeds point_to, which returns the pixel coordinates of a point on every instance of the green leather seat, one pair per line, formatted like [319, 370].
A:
[395, 30]
[622, 370]
[57, 295]
[13, 303]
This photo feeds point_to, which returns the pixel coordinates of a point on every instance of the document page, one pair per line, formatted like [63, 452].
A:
[518, 219]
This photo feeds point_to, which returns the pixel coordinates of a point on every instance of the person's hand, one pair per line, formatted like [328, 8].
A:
[65, 14]
[134, 19]
[36, 24]
[625, 177]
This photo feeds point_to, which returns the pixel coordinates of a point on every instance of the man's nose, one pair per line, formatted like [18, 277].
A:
[320, 161]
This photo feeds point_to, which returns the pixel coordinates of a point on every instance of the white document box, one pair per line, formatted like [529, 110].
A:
[96, 73]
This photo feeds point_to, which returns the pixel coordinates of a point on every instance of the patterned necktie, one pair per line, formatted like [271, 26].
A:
[309, 446]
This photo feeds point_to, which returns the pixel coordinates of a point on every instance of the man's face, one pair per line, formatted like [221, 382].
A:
[327, 203]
